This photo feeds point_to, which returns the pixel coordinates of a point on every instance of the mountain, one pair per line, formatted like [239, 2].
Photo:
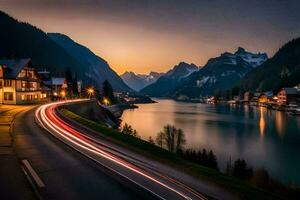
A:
[219, 73]
[22, 40]
[96, 68]
[282, 70]
[170, 80]
[139, 81]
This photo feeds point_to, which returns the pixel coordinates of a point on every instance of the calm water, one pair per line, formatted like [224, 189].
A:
[262, 137]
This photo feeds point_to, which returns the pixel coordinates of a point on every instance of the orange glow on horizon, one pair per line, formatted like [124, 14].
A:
[132, 45]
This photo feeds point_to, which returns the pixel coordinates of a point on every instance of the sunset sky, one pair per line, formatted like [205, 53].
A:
[154, 35]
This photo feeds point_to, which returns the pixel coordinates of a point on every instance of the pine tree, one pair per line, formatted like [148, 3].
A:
[108, 92]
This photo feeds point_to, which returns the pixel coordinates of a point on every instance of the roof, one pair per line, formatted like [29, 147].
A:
[268, 93]
[58, 81]
[290, 91]
[13, 67]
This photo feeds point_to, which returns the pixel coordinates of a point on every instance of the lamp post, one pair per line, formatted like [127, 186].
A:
[90, 92]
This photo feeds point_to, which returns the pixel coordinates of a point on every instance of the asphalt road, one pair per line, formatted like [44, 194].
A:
[66, 173]
[160, 185]
[13, 183]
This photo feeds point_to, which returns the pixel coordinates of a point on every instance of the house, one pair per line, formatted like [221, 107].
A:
[46, 85]
[59, 87]
[265, 97]
[19, 82]
[248, 96]
[288, 96]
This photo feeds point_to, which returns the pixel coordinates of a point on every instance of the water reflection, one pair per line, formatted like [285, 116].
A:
[262, 122]
[231, 131]
[280, 122]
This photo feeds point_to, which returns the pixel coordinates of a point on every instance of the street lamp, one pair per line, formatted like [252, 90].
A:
[106, 101]
[90, 92]
[63, 94]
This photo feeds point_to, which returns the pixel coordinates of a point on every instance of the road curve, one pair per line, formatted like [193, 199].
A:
[161, 186]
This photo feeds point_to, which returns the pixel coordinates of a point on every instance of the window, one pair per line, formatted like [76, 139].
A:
[7, 83]
[8, 96]
[23, 97]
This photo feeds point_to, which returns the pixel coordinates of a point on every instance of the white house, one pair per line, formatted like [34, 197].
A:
[19, 83]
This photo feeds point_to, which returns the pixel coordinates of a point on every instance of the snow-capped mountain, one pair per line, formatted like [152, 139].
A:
[139, 81]
[254, 59]
[169, 81]
[219, 73]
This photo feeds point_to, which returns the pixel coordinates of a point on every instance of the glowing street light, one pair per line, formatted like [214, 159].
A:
[90, 92]
[106, 101]
[63, 94]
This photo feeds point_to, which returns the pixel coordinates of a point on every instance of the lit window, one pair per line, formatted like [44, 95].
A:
[7, 83]
[8, 96]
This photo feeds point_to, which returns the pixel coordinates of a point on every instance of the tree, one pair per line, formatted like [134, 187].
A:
[151, 141]
[180, 139]
[75, 85]
[69, 80]
[108, 93]
[212, 160]
[201, 158]
[160, 139]
[204, 157]
[171, 137]
[241, 170]
[128, 130]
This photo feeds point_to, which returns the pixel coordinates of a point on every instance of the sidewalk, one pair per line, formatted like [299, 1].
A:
[13, 184]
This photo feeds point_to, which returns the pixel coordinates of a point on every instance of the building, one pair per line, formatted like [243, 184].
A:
[59, 87]
[248, 96]
[288, 96]
[46, 85]
[19, 82]
[266, 97]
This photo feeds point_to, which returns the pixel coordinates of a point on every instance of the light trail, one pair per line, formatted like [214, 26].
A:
[48, 119]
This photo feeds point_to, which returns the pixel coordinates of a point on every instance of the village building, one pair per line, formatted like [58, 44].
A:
[19, 83]
[288, 96]
[59, 86]
[248, 96]
[266, 97]
[46, 85]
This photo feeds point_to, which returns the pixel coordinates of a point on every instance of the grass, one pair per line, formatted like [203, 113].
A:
[242, 188]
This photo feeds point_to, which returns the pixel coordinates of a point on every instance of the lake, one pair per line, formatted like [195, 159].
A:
[264, 138]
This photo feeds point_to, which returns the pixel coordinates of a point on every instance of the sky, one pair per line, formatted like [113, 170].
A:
[155, 35]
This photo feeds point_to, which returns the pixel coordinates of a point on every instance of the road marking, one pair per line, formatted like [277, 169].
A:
[33, 174]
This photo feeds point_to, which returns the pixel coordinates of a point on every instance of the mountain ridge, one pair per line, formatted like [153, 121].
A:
[169, 81]
[98, 69]
[282, 70]
[139, 81]
[23, 40]
[219, 73]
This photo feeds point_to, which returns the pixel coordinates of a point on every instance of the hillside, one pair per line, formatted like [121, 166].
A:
[22, 40]
[282, 70]
[96, 69]
[170, 80]
[139, 81]
[219, 73]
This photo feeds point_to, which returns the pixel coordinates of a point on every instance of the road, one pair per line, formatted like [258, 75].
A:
[66, 173]
[146, 178]
[13, 184]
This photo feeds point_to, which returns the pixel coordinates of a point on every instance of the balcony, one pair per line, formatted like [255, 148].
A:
[28, 89]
